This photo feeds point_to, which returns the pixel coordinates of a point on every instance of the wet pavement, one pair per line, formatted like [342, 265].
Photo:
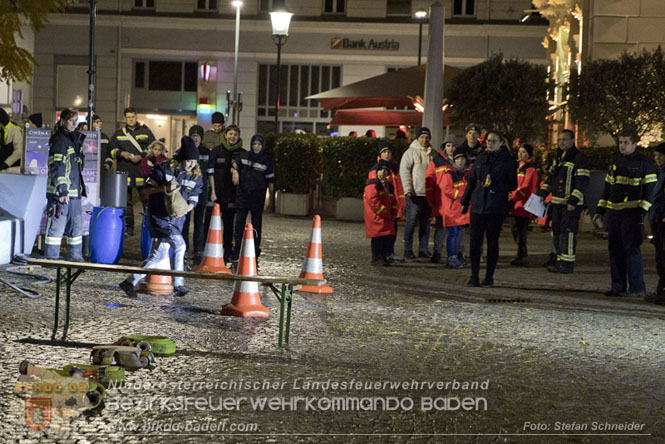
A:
[405, 353]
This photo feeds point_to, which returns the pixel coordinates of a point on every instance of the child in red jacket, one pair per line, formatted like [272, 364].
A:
[156, 155]
[527, 184]
[453, 186]
[380, 213]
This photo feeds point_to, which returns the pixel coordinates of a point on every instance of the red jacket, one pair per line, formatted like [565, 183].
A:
[380, 209]
[145, 168]
[454, 184]
[436, 170]
[394, 180]
[527, 184]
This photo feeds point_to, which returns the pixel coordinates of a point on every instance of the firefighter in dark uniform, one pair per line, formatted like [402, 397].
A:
[567, 180]
[65, 188]
[11, 142]
[129, 145]
[626, 198]
[256, 175]
[104, 140]
[224, 179]
[657, 222]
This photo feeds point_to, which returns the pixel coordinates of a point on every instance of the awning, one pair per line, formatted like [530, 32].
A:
[392, 89]
[381, 118]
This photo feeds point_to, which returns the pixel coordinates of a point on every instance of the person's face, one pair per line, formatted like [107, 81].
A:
[70, 125]
[257, 146]
[382, 174]
[97, 124]
[449, 148]
[522, 155]
[493, 142]
[424, 139]
[472, 137]
[386, 155]
[565, 141]
[189, 164]
[196, 137]
[460, 161]
[130, 119]
[659, 158]
[626, 146]
[157, 150]
[232, 136]
[217, 127]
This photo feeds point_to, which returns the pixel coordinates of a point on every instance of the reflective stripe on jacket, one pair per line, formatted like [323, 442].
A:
[629, 184]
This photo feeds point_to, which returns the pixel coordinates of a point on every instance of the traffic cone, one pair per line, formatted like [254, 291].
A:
[312, 267]
[155, 284]
[246, 301]
[213, 255]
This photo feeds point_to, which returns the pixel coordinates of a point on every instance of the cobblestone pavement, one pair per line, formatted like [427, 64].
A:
[566, 360]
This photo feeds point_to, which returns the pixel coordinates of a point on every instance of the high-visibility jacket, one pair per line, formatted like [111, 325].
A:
[527, 184]
[567, 179]
[65, 165]
[629, 184]
[436, 170]
[11, 144]
[379, 211]
[120, 142]
[452, 187]
[393, 179]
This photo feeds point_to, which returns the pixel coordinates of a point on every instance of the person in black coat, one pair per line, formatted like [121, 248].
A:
[487, 195]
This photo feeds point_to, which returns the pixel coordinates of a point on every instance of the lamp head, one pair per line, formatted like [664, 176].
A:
[237, 4]
[421, 14]
[281, 19]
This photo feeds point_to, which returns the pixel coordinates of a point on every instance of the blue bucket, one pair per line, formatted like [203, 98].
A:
[146, 238]
[107, 228]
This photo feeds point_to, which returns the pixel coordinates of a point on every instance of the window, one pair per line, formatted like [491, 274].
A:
[269, 5]
[464, 7]
[144, 4]
[334, 6]
[165, 75]
[206, 5]
[296, 83]
[398, 8]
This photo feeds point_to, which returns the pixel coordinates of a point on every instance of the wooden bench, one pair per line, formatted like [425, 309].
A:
[67, 272]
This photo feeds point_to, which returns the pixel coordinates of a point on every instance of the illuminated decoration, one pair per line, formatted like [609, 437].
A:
[205, 72]
[205, 108]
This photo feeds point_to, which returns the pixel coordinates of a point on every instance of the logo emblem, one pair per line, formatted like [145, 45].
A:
[336, 43]
[38, 413]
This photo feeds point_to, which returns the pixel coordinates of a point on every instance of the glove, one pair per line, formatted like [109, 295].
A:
[54, 209]
[3, 166]
[465, 209]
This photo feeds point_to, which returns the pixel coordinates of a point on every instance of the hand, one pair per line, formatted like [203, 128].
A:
[465, 209]
[126, 155]
[571, 207]
[213, 196]
[107, 166]
[410, 194]
[135, 158]
[64, 199]
[235, 178]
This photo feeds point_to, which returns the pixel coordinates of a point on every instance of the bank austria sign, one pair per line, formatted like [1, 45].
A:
[371, 44]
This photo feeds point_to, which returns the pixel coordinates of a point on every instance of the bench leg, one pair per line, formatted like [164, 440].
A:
[288, 295]
[68, 294]
[282, 314]
[57, 303]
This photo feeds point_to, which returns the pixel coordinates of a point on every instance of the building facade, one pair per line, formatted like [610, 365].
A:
[173, 60]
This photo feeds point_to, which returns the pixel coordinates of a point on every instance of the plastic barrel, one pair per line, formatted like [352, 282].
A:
[113, 191]
[107, 228]
[146, 239]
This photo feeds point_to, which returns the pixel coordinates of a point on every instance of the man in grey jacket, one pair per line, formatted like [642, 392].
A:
[412, 170]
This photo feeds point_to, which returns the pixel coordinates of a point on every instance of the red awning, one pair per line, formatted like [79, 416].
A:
[381, 118]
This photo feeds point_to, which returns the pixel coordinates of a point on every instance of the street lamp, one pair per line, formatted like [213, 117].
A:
[280, 32]
[420, 15]
[235, 115]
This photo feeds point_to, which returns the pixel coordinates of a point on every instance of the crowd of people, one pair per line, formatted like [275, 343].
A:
[472, 187]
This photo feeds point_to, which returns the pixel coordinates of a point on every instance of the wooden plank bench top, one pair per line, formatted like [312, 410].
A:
[283, 294]
[266, 280]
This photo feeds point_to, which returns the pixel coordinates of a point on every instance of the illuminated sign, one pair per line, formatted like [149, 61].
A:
[371, 44]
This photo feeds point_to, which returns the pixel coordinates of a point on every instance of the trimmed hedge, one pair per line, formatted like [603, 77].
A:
[297, 162]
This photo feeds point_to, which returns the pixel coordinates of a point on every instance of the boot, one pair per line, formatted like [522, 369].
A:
[551, 261]
[522, 261]
[436, 258]
[454, 263]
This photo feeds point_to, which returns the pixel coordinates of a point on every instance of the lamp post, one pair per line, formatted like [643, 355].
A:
[420, 15]
[235, 114]
[280, 32]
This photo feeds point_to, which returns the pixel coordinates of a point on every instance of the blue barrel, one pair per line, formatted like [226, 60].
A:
[107, 239]
[146, 239]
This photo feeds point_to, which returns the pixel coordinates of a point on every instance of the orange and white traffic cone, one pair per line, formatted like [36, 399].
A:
[213, 255]
[158, 285]
[246, 301]
[312, 267]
